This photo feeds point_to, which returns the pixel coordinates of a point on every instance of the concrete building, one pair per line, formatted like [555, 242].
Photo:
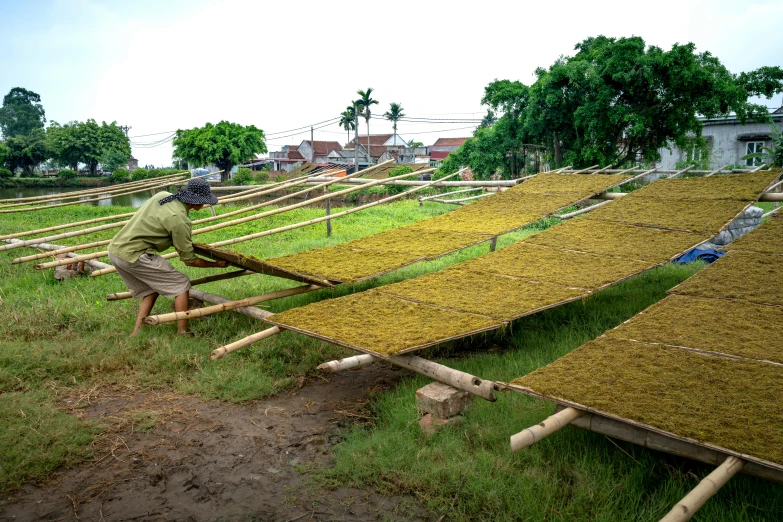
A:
[380, 144]
[727, 140]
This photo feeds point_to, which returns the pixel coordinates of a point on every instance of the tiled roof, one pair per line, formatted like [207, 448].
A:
[449, 142]
[295, 155]
[375, 139]
[322, 148]
[439, 154]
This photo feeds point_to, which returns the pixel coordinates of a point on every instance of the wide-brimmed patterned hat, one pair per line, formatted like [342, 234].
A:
[196, 192]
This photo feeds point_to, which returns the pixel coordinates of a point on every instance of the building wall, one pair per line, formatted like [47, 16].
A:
[722, 140]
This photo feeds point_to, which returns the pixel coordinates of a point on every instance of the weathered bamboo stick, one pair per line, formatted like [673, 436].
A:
[603, 169]
[98, 190]
[581, 211]
[460, 200]
[46, 246]
[356, 361]
[55, 253]
[199, 281]
[455, 378]
[66, 225]
[680, 172]
[250, 311]
[248, 301]
[221, 352]
[274, 230]
[280, 210]
[715, 171]
[759, 167]
[583, 170]
[82, 201]
[427, 198]
[771, 212]
[704, 490]
[551, 424]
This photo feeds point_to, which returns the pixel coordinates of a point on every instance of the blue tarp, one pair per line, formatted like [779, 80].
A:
[709, 255]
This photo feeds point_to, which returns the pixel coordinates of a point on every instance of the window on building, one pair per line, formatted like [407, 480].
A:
[754, 147]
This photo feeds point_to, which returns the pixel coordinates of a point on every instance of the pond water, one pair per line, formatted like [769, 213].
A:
[131, 200]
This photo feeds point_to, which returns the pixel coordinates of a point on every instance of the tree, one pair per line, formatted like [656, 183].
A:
[489, 119]
[394, 114]
[364, 103]
[89, 143]
[348, 120]
[224, 145]
[413, 144]
[26, 151]
[22, 113]
[4, 153]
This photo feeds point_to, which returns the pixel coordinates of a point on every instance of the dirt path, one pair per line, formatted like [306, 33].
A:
[179, 458]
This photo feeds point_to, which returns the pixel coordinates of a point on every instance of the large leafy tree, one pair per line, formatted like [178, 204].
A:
[224, 145]
[88, 143]
[394, 114]
[26, 151]
[618, 101]
[363, 105]
[22, 113]
[4, 152]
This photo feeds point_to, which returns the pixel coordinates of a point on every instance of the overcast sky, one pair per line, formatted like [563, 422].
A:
[162, 65]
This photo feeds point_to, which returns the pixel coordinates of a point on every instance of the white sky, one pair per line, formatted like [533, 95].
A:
[162, 65]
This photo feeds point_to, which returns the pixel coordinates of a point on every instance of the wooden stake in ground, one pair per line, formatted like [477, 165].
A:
[710, 485]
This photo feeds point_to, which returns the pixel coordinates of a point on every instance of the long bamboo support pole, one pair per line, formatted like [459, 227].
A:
[284, 228]
[455, 378]
[356, 361]
[462, 200]
[221, 352]
[681, 172]
[548, 426]
[82, 201]
[581, 211]
[250, 311]
[154, 184]
[715, 171]
[690, 504]
[199, 281]
[92, 191]
[99, 228]
[248, 301]
[427, 198]
[97, 265]
[603, 169]
[253, 217]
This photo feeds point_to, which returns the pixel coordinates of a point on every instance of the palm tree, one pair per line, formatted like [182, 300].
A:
[348, 120]
[394, 114]
[363, 104]
[488, 120]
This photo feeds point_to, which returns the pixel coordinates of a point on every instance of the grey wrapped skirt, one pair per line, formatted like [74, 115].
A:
[151, 274]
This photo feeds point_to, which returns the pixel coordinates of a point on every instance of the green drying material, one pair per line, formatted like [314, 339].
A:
[743, 187]
[500, 297]
[421, 243]
[559, 183]
[766, 239]
[757, 278]
[729, 403]
[490, 224]
[682, 214]
[734, 328]
[565, 267]
[619, 240]
[343, 263]
[386, 325]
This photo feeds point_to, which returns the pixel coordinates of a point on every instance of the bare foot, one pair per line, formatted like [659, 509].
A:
[135, 332]
[186, 333]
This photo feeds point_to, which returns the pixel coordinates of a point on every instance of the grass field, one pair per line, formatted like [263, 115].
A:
[63, 339]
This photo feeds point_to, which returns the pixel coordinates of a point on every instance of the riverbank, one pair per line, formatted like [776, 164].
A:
[55, 182]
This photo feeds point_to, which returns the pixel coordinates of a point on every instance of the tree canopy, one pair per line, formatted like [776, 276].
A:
[88, 143]
[616, 101]
[224, 145]
[26, 151]
[22, 113]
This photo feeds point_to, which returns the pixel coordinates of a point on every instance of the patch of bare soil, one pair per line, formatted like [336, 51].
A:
[170, 457]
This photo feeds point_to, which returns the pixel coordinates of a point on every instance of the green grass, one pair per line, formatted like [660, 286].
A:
[65, 337]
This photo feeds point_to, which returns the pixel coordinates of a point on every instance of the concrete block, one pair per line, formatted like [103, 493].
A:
[429, 424]
[442, 401]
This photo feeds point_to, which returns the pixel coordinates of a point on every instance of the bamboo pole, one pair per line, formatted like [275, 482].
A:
[250, 311]
[579, 212]
[82, 201]
[98, 190]
[759, 167]
[603, 169]
[634, 178]
[583, 170]
[275, 230]
[221, 352]
[460, 200]
[427, 198]
[66, 225]
[551, 424]
[768, 214]
[680, 172]
[357, 361]
[93, 263]
[254, 217]
[200, 281]
[248, 301]
[715, 171]
[704, 490]
[454, 378]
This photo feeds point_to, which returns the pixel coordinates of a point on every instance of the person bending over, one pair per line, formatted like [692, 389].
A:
[160, 223]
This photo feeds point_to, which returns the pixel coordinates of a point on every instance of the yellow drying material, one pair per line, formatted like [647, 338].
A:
[565, 267]
[757, 278]
[734, 328]
[766, 239]
[386, 326]
[743, 187]
[618, 240]
[500, 297]
[729, 403]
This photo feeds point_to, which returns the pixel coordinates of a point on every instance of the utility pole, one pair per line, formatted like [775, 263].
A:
[356, 138]
[312, 143]
[125, 129]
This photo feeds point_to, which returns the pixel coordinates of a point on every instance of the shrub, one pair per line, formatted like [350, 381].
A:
[398, 171]
[120, 176]
[139, 174]
[154, 173]
[68, 174]
[5, 173]
[242, 177]
[261, 176]
[280, 178]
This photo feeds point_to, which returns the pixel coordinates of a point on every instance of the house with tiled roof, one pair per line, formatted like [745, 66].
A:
[380, 144]
[318, 151]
